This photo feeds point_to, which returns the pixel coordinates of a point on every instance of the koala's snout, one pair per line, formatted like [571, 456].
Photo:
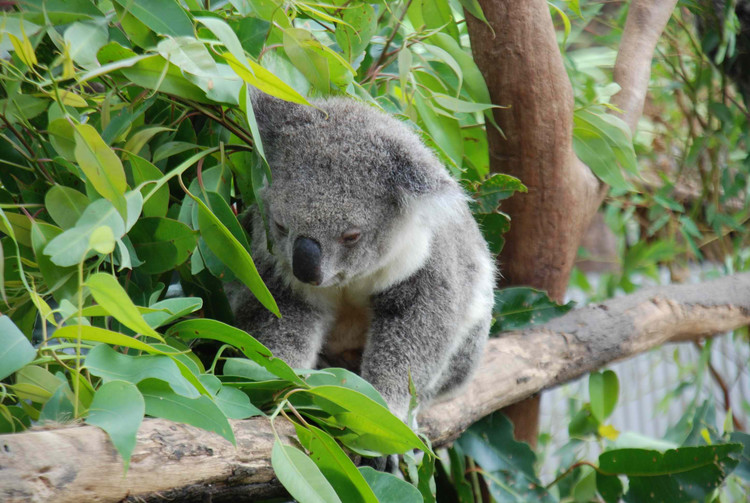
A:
[306, 260]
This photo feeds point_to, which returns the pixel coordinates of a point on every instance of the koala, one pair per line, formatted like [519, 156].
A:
[373, 256]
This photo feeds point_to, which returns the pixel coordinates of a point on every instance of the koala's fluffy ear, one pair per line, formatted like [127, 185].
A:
[276, 116]
[416, 172]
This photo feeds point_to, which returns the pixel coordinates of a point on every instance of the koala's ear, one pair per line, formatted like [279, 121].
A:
[415, 172]
[276, 116]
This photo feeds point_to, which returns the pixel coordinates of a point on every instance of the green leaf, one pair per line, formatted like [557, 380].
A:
[201, 412]
[743, 469]
[318, 63]
[15, 349]
[226, 36]
[232, 253]
[162, 243]
[96, 334]
[144, 171]
[101, 165]
[251, 348]
[496, 188]
[683, 474]
[445, 131]
[360, 24]
[473, 7]
[118, 409]
[20, 228]
[149, 71]
[426, 479]
[461, 106]
[62, 279]
[84, 39]
[189, 54]
[583, 423]
[235, 404]
[490, 442]
[248, 369]
[165, 17]
[299, 475]
[71, 247]
[347, 379]
[59, 407]
[388, 487]
[106, 363]
[519, 307]
[603, 392]
[605, 141]
[473, 80]
[609, 487]
[102, 240]
[264, 80]
[335, 465]
[39, 377]
[62, 137]
[376, 429]
[113, 297]
[136, 143]
[172, 309]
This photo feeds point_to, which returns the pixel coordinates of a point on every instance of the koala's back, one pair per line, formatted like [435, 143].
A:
[376, 261]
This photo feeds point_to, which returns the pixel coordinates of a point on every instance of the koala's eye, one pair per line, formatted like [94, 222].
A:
[282, 230]
[351, 236]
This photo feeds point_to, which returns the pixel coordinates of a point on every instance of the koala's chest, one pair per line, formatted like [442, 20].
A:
[347, 332]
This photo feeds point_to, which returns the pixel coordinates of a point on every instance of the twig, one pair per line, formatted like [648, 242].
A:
[724, 390]
[379, 62]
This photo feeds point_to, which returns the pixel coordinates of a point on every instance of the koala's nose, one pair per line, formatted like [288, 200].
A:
[306, 260]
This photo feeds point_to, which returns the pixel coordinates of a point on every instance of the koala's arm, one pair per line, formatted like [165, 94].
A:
[412, 332]
[296, 337]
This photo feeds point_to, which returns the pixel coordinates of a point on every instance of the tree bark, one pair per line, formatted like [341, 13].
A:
[521, 63]
[183, 463]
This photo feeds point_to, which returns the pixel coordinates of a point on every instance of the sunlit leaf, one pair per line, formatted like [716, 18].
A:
[101, 165]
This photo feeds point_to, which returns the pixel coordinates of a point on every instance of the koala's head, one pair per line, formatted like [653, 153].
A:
[345, 180]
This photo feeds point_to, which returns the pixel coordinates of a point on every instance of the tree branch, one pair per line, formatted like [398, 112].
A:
[645, 24]
[175, 461]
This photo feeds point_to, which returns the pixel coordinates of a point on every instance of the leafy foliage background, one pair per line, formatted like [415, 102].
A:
[128, 148]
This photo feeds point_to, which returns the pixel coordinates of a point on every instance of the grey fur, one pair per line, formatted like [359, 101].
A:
[413, 296]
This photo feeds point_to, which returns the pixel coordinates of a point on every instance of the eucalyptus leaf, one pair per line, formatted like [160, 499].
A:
[165, 17]
[388, 487]
[110, 365]
[518, 307]
[71, 247]
[113, 297]
[299, 475]
[251, 348]
[15, 349]
[335, 465]
[603, 392]
[201, 412]
[118, 409]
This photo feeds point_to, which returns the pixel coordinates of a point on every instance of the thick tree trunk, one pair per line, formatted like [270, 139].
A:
[181, 463]
[523, 68]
